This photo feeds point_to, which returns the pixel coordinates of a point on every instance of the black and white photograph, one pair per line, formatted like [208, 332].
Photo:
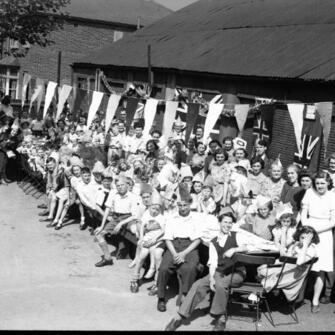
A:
[167, 165]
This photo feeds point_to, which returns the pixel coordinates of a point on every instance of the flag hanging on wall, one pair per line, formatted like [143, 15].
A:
[309, 150]
[191, 118]
[263, 122]
[169, 117]
[131, 108]
[113, 103]
[37, 95]
[150, 111]
[95, 104]
[25, 82]
[63, 95]
[296, 112]
[325, 111]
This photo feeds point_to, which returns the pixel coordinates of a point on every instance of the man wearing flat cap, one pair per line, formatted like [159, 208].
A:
[182, 237]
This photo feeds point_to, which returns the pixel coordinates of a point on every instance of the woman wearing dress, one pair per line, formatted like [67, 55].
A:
[318, 211]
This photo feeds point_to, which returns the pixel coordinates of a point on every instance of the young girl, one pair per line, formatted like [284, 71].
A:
[260, 218]
[304, 249]
[284, 229]
[151, 233]
[195, 192]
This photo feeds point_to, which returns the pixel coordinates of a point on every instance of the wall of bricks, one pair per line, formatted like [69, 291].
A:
[75, 41]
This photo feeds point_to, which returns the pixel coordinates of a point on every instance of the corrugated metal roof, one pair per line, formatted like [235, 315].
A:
[121, 11]
[268, 38]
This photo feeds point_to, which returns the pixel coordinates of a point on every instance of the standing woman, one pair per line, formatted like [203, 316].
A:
[291, 188]
[318, 211]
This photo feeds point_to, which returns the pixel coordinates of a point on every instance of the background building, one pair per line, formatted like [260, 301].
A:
[281, 49]
[90, 26]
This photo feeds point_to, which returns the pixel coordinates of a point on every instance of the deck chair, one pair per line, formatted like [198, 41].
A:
[255, 288]
[292, 260]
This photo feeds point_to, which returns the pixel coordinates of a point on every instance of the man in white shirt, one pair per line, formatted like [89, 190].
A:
[221, 250]
[123, 207]
[182, 237]
[138, 142]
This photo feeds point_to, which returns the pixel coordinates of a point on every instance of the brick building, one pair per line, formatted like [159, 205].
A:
[279, 49]
[90, 26]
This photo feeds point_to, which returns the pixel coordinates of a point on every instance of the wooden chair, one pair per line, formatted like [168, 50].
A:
[255, 288]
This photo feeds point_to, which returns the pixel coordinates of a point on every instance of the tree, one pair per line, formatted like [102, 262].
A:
[31, 20]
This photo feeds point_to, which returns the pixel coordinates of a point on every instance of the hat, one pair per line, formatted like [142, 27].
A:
[185, 171]
[239, 143]
[98, 167]
[145, 188]
[283, 209]
[184, 194]
[107, 174]
[262, 201]
[225, 210]
[197, 179]
[156, 198]
[277, 162]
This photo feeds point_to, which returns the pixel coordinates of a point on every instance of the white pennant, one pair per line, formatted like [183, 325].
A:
[96, 101]
[241, 114]
[150, 110]
[112, 105]
[296, 112]
[64, 93]
[38, 93]
[25, 82]
[214, 112]
[169, 116]
[48, 96]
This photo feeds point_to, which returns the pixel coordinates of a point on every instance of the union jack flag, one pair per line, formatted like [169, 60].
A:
[307, 147]
[260, 130]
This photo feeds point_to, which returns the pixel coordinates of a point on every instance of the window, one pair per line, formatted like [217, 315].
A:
[9, 78]
[86, 83]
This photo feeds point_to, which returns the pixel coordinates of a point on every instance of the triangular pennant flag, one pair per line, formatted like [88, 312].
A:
[131, 108]
[325, 110]
[169, 116]
[78, 101]
[38, 94]
[112, 106]
[241, 114]
[214, 112]
[296, 112]
[96, 101]
[150, 110]
[63, 94]
[191, 118]
[25, 82]
[48, 96]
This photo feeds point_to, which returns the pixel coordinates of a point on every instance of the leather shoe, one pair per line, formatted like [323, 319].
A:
[161, 306]
[44, 213]
[42, 206]
[220, 325]
[173, 325]
[50, 225]
[325, 300]
[104, 262]
[315, 309]
[45, 220]
[83, 226]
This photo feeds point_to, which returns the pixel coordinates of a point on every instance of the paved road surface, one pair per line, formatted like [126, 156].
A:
[49, 282]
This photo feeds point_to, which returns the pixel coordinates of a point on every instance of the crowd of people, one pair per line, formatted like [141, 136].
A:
[186, 205]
